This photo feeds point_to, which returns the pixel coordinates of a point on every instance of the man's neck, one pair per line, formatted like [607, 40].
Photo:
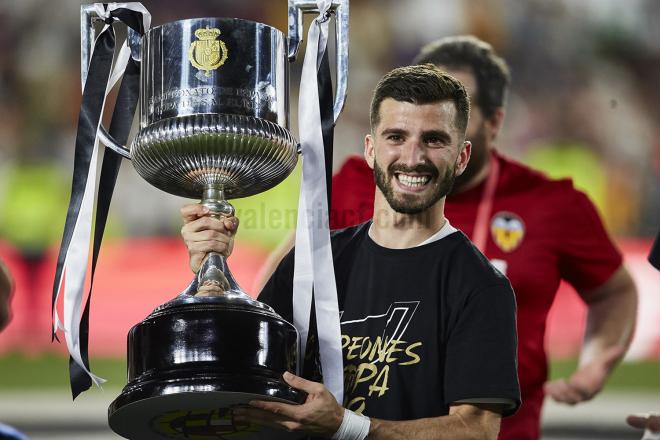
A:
[394, 230]
[479, 177]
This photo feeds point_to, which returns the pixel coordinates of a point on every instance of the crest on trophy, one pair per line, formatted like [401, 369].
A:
[207, 53]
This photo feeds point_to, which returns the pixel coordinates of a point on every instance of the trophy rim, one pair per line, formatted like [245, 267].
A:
[208, 393]
[170, 23]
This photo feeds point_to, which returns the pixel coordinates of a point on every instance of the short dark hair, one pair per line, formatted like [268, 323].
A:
[423, 84]
[466, 51]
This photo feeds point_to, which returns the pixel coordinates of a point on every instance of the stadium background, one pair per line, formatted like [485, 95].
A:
[585, 103]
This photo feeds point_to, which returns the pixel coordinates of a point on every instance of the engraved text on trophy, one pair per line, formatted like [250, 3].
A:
[252, 102]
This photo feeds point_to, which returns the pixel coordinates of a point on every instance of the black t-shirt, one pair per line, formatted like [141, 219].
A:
[421, 327]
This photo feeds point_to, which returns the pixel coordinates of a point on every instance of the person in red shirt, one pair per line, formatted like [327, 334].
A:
[535, 230]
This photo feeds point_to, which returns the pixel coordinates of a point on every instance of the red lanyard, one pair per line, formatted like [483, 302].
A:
[485, 208]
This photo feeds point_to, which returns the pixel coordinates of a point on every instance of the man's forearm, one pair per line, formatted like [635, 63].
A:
[460, 424]
[612, 312]
[610, 325]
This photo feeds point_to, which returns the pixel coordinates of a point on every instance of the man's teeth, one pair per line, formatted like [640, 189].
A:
[413, 181]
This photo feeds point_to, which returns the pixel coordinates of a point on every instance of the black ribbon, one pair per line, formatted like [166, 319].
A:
[90, 114]
[120, 127]
[326, 103]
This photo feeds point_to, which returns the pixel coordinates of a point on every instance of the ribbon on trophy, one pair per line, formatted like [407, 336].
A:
[313, 269]
[73, 257]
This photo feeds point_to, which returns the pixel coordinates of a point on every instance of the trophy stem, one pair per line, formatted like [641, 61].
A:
[214, 277]
[214, 199]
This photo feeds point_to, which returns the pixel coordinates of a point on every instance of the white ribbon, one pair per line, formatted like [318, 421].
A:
[77, 256]
[313, 253]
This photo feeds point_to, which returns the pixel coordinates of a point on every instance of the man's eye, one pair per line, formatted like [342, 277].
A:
[394, 138]
[435, 141]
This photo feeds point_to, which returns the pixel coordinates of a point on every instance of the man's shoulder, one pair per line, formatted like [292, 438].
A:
[339, 238]
[468, 274]
[469, 261]
[518, 176]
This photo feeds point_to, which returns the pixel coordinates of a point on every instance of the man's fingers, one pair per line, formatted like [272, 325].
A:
[265, 418]
[584, 385]
[302, 384]
[203, 234]
[569, 394]
[562, 392]
[207, 235]
[231, 223]
[193, 211]
[205, 246]
[289, 412]
[204, 224]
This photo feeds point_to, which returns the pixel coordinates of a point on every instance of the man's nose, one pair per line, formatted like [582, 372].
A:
[414, 152]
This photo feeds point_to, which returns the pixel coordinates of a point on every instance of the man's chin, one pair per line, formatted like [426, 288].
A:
[408, 205]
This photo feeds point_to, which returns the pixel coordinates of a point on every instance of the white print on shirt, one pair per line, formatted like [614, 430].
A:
[368, 358]
[395, 320]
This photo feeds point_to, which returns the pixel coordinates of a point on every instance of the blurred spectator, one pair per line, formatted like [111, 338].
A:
[6, 288]
[607, 50]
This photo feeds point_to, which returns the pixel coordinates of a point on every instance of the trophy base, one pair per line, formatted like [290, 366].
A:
[196, 408]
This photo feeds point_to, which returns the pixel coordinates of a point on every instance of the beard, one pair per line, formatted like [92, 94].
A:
[478, 158]
[440, 186]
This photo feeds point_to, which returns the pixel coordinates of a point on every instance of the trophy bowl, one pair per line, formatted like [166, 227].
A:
[213, 108]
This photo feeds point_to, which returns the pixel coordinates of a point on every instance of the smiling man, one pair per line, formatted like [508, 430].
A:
[536, 230]
[428, 325]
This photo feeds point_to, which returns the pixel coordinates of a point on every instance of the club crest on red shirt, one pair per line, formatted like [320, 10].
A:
[508, 230]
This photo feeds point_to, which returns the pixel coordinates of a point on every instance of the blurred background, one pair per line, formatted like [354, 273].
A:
[585, 103]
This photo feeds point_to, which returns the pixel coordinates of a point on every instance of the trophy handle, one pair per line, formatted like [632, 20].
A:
[297, 8]
[88, 17]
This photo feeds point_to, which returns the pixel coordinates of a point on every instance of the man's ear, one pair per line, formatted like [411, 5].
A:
[369, 152]
[494, 123]
[463, 158]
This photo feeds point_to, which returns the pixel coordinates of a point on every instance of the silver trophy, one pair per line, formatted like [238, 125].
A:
[213, 126]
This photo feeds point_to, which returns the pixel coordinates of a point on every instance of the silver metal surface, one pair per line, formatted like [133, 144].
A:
[251, 81]
[297, 8]
[231, 299]
[225, 126]
[242, 155]
[88, 17]
[214, 199]
[87, 33]
[111, 143]
[214, 271]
